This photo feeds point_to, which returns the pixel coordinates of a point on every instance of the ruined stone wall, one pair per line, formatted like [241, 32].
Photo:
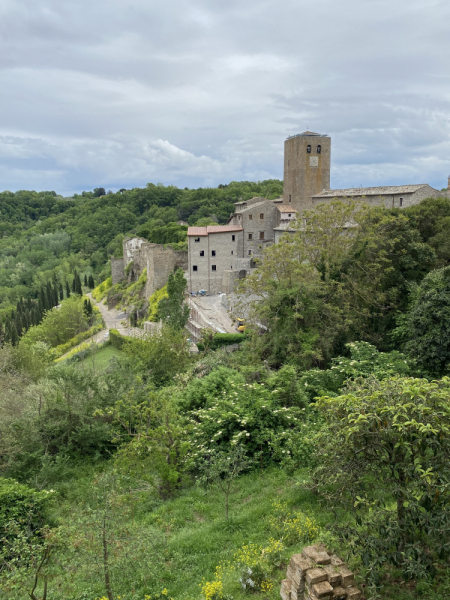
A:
[316, 574]
[158, 260]
[117, 270]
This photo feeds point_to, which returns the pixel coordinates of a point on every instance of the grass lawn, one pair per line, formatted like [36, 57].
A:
[194, 538]
[99, 360]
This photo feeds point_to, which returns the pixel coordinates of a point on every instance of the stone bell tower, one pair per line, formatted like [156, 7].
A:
[306, 168]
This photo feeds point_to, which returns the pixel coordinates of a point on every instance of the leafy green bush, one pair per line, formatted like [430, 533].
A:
[59, 324]
[203, 391]
[223, 339]
[24, 505]
[84, 335]
[365, 361]
[251, 415]
[102, 289]
[428, 323]
[154, 301]
[117, 339]
[385, 456]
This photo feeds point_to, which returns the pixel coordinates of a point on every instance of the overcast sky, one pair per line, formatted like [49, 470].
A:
[118, 93]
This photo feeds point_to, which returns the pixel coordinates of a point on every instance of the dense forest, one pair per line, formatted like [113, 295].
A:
[135, 468]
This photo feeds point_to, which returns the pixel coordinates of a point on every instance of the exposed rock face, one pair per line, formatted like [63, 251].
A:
[316, 574]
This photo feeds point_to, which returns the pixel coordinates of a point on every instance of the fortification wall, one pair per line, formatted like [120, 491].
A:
[117, 270]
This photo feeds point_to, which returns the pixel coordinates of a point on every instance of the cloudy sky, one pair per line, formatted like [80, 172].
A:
[118, 93]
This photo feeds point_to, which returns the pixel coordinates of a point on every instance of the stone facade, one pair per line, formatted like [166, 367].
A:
[159, 261]
[258, 217]
[307, 163]
[317, 574]
[391, 196]
[117, 270]
[211, 251]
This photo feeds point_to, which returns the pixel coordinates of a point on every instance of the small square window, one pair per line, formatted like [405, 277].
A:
[213, 267]
[250, 236]
[197, 240]
[213, 252]
[194, 268]
[232, 252]
[250, 217]
[261, 235]
[261, 216]
[249, 252]
[289, 215]
[233, 237]
[202, 253]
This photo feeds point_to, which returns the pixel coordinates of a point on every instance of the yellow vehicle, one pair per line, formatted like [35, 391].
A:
[240, 325]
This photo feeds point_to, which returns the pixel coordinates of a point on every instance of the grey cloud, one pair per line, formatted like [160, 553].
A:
[122, 92]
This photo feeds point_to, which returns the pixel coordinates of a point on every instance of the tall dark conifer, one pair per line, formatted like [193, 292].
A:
[85, 280]
[67, 290]
[61, 292]
[18, 324]
[14, 338]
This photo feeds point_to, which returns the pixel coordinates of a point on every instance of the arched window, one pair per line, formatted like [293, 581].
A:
[319, 149]
[308, 149]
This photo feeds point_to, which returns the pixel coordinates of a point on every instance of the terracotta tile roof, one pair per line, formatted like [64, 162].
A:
[371, 191]
[199, 231]
[285, 208]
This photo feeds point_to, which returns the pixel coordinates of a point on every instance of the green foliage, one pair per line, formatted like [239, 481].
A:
[172, 309]
[160, 355]
[203, 391]
[330, 283]
[23, 505]
[117, 340]
[156, 443]
[59, 324]
[250, 415]
[364, 361]
[102, 289]
[222, 339]
[59, 351]
[154, 301]
[385, 455]
[428, 323]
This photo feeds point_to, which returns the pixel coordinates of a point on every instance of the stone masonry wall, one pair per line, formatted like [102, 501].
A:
[316, 574]
[117, 270]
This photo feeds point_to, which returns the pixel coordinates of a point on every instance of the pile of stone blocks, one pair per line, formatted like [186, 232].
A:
[316, 574]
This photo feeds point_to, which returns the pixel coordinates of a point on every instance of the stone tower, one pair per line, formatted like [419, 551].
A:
[306, 168]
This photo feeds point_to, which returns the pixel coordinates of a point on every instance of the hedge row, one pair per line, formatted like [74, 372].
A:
[223, 339]
[84, 335]
[117, 339]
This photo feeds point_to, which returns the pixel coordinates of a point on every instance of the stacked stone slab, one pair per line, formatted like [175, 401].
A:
[316, 574]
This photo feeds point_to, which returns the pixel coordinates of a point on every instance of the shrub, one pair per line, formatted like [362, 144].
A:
[117, 339]
[223, 339]
[101, 290]
[24, 505]
[385, 455]
[59, 351]
[154, 301]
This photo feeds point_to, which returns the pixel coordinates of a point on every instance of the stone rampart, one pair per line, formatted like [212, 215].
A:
[317, 574]
[117, 270]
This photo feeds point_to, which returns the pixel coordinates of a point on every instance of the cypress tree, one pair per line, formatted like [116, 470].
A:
[67, 290]
[18, 324]
[74, 282]
[14, 338]
[91, 282]
[7, 337]
[29, 304]
[61, 292]
[85, 280]
[55, 295]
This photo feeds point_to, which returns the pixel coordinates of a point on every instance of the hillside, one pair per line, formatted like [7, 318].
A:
[330, 424]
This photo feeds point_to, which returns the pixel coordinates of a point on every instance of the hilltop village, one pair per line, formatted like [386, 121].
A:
[218, 256]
